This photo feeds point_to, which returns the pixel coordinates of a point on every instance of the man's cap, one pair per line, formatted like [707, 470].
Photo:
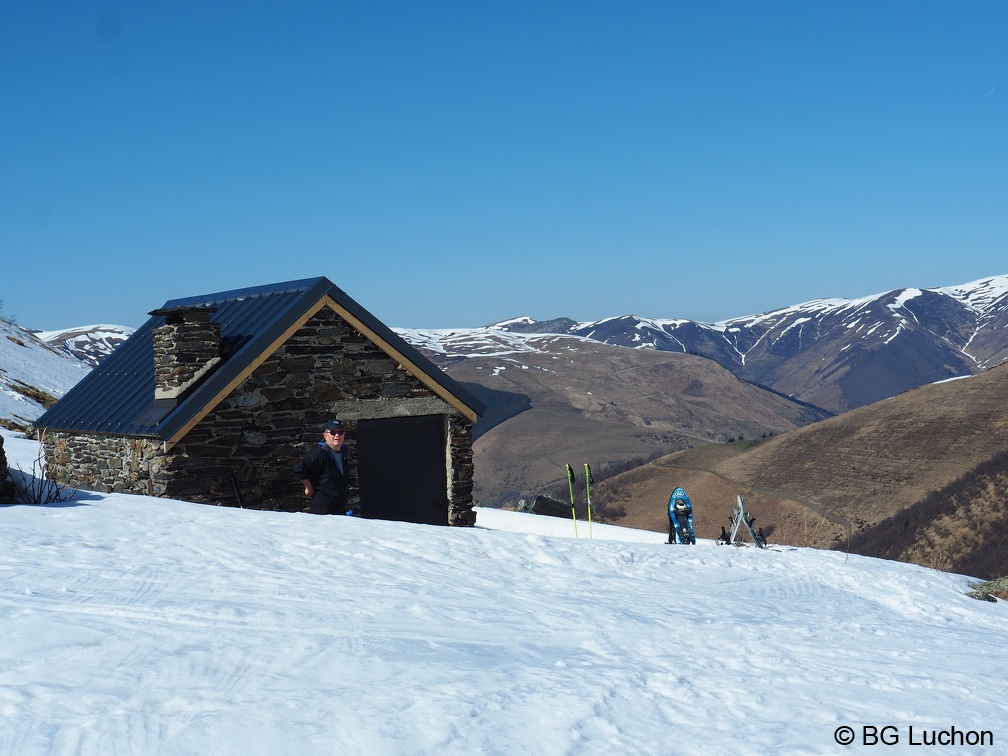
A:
[333, 425]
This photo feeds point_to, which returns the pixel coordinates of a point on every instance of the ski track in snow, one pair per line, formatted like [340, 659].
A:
[138, 625]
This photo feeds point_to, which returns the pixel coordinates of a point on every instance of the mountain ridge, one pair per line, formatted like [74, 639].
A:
[838, 354]
[90, 344]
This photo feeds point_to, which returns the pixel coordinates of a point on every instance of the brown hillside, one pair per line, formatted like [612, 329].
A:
[843, 476]
[605, 405]
[638, 498]
[959, 528]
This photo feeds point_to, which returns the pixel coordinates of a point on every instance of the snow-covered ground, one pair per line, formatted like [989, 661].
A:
[133, 625]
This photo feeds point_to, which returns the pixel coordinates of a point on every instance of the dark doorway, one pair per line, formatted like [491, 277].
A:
[401, 469]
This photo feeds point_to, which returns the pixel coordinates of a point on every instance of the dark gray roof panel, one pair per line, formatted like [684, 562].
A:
[117, 397]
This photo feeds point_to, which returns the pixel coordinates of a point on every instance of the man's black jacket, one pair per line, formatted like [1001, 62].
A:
[319, 466]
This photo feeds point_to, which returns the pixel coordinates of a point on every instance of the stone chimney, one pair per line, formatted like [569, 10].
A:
[186, 348]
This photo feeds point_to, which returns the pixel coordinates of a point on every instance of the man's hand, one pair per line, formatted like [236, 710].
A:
[309, 489]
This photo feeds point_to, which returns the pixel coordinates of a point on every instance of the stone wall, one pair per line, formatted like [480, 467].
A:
[110, 464]
[460, 478]
[243, 450]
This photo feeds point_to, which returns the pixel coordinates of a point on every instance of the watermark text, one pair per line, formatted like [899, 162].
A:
[889, 735]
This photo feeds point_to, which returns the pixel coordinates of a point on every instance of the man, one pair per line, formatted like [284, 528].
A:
[322, 472]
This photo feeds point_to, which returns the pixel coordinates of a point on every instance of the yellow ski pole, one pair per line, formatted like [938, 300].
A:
[570, 485]
[588, 482]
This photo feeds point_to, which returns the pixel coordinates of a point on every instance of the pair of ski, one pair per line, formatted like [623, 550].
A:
[738, 517]
[570, 485]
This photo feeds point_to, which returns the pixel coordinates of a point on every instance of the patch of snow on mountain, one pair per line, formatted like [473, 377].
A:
[899, 309]
[660, 325]
[424, 339]
[27, 362]
[897, 332]
[480, 342]
[523, 320]
[904, 296]
[798, 322]
[978, 295]
[813, 308]
[91, 343]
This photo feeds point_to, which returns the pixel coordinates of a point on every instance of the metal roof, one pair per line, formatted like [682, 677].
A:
[117, 397]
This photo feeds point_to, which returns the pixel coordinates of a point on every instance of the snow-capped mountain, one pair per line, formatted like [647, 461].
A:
[91, 344]
[835, 353]
[33, 375]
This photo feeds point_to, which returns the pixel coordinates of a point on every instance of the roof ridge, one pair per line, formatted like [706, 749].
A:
[284, 287]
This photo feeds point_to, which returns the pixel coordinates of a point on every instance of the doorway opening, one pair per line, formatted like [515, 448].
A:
[401, 469]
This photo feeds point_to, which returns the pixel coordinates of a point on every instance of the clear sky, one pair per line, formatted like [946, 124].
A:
[457, 163]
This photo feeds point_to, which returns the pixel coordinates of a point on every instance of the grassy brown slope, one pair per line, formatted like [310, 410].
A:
[851, 472]
[869, 464]
[605, 405]
[638, 499]
[959, 528]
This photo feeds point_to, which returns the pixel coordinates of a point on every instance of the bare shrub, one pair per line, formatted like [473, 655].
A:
[802, 533]
[36, 487]
[939, 561]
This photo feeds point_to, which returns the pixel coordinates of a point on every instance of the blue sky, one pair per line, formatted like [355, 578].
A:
[454, 164]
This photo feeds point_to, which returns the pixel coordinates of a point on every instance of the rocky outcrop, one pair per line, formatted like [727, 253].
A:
[546, 505]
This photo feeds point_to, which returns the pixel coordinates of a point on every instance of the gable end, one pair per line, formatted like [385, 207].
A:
[326, 301]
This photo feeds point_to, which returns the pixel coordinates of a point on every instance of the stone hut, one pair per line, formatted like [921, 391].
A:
[216, 396]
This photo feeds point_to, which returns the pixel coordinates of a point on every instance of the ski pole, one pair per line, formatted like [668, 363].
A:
[570, 485]
[588, 482]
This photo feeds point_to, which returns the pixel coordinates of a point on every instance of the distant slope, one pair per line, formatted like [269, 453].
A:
[90, 344]
[961, 527]
[846, 475]
[33, 375]
[605, 405]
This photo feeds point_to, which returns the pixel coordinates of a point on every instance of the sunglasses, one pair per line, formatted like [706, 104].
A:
[336, 432]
